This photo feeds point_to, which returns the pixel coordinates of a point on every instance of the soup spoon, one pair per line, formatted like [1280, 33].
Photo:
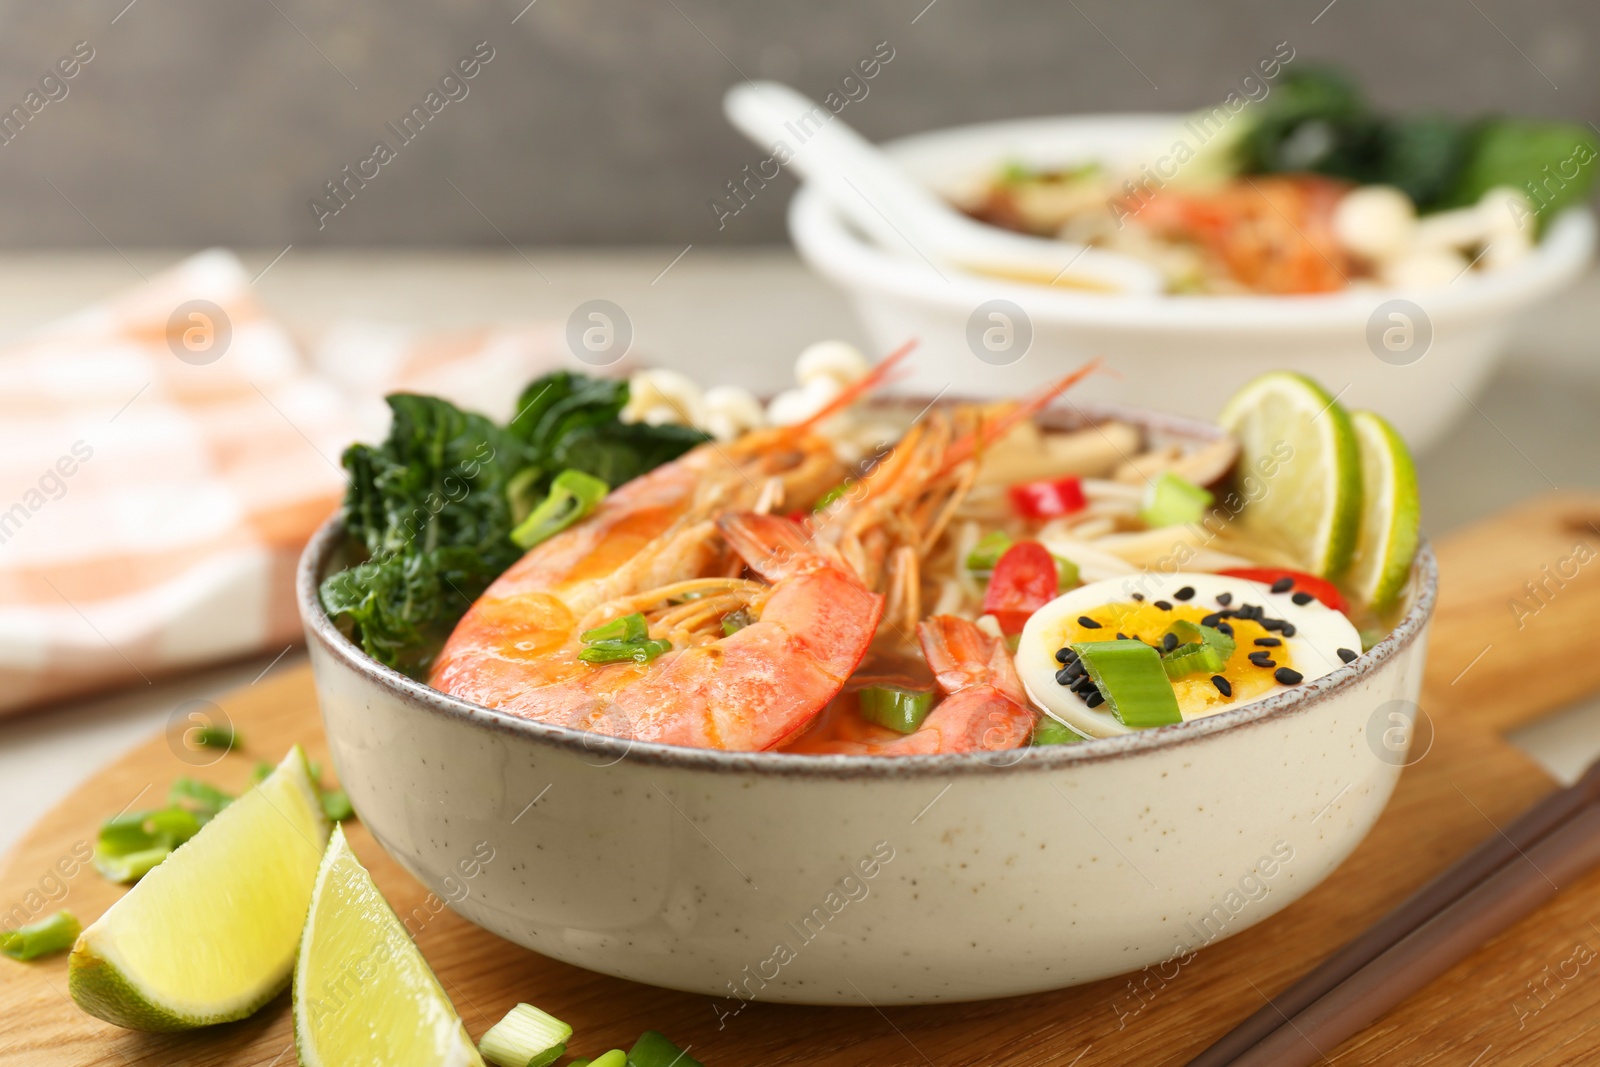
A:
[903, 215]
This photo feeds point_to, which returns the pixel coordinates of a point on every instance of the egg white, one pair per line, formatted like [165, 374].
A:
[1319, 633]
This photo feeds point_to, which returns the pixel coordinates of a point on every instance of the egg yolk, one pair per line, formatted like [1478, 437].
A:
[1197, 694]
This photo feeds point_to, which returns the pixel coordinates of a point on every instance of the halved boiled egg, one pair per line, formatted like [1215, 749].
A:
[1277, 643]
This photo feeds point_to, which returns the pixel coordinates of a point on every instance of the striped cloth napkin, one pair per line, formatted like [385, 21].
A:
[165, 455]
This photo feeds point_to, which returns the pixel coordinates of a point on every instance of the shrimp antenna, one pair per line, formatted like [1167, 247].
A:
[987, 434]
[857, 389]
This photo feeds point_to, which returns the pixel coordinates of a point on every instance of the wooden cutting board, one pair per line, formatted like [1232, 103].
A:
[1524, 998]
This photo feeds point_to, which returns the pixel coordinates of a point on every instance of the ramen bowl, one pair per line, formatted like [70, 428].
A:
[826, 879]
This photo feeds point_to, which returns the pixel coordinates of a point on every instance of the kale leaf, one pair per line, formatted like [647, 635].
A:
[429, 512]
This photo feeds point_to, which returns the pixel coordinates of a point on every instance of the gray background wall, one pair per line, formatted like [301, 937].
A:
[598, 121]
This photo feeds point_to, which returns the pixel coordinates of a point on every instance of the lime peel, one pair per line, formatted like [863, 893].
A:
[209, 936]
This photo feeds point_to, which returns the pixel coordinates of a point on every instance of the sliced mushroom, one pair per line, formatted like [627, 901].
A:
[1206, 465]
[1028, 455]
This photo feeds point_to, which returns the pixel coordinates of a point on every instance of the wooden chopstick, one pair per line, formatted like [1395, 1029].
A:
[1506, 896]
[1456, 881]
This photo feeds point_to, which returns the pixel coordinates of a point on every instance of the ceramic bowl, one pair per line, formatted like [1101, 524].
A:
[1418, 370]
[829, 879]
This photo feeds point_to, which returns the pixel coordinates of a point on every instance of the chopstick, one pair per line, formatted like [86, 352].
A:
[1506, 896]
[1509, 843]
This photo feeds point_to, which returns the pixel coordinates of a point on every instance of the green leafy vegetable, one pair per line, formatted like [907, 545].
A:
[1552, 163]
[430, 512]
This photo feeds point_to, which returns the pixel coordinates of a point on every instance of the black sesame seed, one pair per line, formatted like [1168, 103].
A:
[1287, 676]
[1186, 593]
[1272, 625]
[1224, 599]
[1212, 619]
[1121, 636]
[1283, 585]
[1347, 655]
[1095, 699]
[1087, 623]
[1268, 642]
[1064, 676]
[1224, 628]
[1264, 663]
[1223, 685]
[1139, 597]
[1287, 629]
[1302, 598]
[1164, 605]
[1064, 653]
[1169, 642]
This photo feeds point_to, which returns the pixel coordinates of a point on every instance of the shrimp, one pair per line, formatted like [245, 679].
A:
[984, 708]
[660, 546]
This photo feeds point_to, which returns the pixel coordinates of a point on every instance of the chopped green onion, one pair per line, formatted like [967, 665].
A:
[1067, 576]
[315, 767]
[526, 1037]
[201, 796]
[223, 737]
[736, 620]
[1174, 501]
[1201, 649]
[987, 552]
[336, 805]
[1198, 658]
[654, 1050]
[618, 651]
[1052, 732]
[573, 495]
[615, 1058]
[48, 936]
[260, 771]
[129, 867]
[627, 628]
[898, 708]
[833, 495]
[1130, 676]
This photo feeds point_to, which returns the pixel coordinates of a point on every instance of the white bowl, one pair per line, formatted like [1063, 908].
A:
[826, 879]
[1183, 354]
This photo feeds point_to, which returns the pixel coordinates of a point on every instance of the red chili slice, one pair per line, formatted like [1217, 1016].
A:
[1024, 580]
[1320, 588]
[1046, 500]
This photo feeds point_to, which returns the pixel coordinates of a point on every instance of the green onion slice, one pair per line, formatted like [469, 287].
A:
[619, 651]
[654, 1050]
[1174, 501]
[201, 796]
[615, 1058]
[987, 552]
[736, 620]
[48, 936]
[627, 628]
[1130, 675]
[129, 867]
[897, 707]
[1052, 732]
[1067, 576]
[526, 1037]
[573, 495]
[336, 805]
[1201, 649]
[833, 495]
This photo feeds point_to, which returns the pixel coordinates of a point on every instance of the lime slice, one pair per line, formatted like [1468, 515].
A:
[1391, 514]
[362, 991]
[1299, 469]
[210, 934]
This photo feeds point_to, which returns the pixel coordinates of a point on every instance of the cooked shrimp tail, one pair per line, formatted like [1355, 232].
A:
[991, 431]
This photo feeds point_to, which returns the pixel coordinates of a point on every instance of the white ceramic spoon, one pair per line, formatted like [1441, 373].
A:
[904, 215]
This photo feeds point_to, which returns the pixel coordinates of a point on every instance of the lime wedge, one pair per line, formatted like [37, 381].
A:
[1391, 515]
[1299, 469]
[362, 991]
[209, 935]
